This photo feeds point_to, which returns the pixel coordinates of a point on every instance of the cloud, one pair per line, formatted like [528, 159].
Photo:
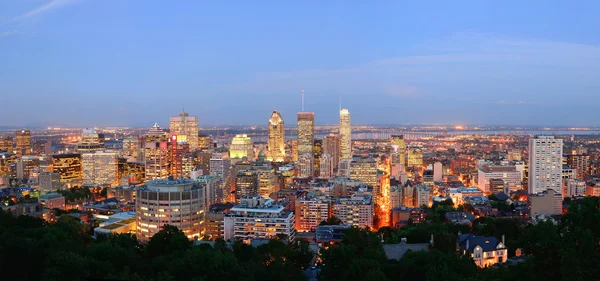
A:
[7, 33]
[52, 5]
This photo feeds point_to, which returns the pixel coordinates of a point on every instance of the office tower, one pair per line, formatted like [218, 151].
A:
[415, 156]
[345, 134]
[246, 184]
[306, 133]
[310, 211]
[305, 166]
[397, 150]
[545, 164]
[318, 151]
[331, 146]
[276, 141]
[27, 167]
[267, 182]
[131, 149]
[241, 146]
[185, 127]
[68, 166]
[49, 182]
[180, 158]
[365, 170]
[326, 166]
[156, 154]
[178, 203]
[6, 143]
[258, 218]
[90, 141]
[355, 211]
[23, 142]
[294, 144]
[582, 163]
[508, 174]
[130, 172]
[219, 166]
[100, 168]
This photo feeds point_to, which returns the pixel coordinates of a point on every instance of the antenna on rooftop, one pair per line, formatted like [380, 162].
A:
[340, 102]
[302, 100]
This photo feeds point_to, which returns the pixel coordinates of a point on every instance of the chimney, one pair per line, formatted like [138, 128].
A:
[504, 244]
[431, 241]
[467, 245]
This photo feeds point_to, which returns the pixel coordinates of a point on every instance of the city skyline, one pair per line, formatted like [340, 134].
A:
[405, 63]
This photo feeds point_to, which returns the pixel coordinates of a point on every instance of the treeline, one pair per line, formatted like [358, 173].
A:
[31, 249]
[568, 250]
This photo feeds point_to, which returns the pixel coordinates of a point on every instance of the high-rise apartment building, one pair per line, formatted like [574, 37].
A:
[331, 146]
[575, 188]
[23, 142]
[306, 133]
[345, 134]
[100, 168]
[174, 202]
[90, 141]
[185, 127]
[156, 154]
[267, 182]
[276, 141]
[545, 164]
[258, 218]
[310, 211]
[397, 150]
[582, 163]
[241, 146]
[365, 170]
[355, 211]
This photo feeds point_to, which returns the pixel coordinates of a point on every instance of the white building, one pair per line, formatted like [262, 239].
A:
[326, 166]
[345, 134]
[438, 173]
[305, 165]
[509, 174]
[395, 196]
[258, 218]
[545, 164]
[575, 188]
[344, 167]
[356, 210]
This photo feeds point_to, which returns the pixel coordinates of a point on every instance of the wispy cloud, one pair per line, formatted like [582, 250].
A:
[406, 92]
[52, 5]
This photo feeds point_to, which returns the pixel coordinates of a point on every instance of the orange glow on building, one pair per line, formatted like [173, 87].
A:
[383, 199]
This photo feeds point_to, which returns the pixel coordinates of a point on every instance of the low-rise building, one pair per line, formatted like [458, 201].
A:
[116, 224]
[258, 218]
[356, 210]
[575, 188]
[485, 251]
[311, 210]
[52, 200]
[545, 203]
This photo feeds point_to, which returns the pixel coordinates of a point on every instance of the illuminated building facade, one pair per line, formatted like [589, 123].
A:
[331, 146]
[156, 154]
[365, 170]
[575, 188]
[185, 127]
[174, 202]
[23, 142]
[345, 134]
[294, 144]
[131, 149]
[267, 182]
[326, 166]
[246, 184]
[318, 151]
[6, 143]
[305, 166]
[181, 161]
[241, 146]
[415, 156]
[258, 218]
[306, 133]
[485, 251]
[100, 168]
[382, 193]
[90, 141]
[582, 163]
[68, 166]
[397, 150]
[355, 211]
[276, 141]
[508, 174]
[545, 164]
[310, 211]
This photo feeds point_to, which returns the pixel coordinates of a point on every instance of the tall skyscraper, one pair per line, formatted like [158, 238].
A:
[186, 129]
[398, 150]
[331, 146]
[306, 133]
[23, 142]
[545, 164]
[345, 134]
[156, 153]
[276, 138]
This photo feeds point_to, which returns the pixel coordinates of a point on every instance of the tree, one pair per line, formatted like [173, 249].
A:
[333, 220]
[104, 192]
[168, 240]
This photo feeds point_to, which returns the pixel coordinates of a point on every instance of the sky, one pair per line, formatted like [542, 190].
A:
[132, 63]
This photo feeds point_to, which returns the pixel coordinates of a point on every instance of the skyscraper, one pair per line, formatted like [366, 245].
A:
[306, 133]
[331, 146]
[156, 153]
[90, 141]
[23, 142]
[100, 168]
[241, 146]
[345, 134]
[186, 129]
[397, 150]
[276, 138]
[545, 164]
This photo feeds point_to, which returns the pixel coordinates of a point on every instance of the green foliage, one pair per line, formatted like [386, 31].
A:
[333, 220]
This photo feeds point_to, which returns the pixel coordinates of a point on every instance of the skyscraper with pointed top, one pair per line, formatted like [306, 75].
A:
[345, 134]
[276, 140]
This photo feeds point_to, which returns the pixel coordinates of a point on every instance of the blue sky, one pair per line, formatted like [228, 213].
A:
[114, 62]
